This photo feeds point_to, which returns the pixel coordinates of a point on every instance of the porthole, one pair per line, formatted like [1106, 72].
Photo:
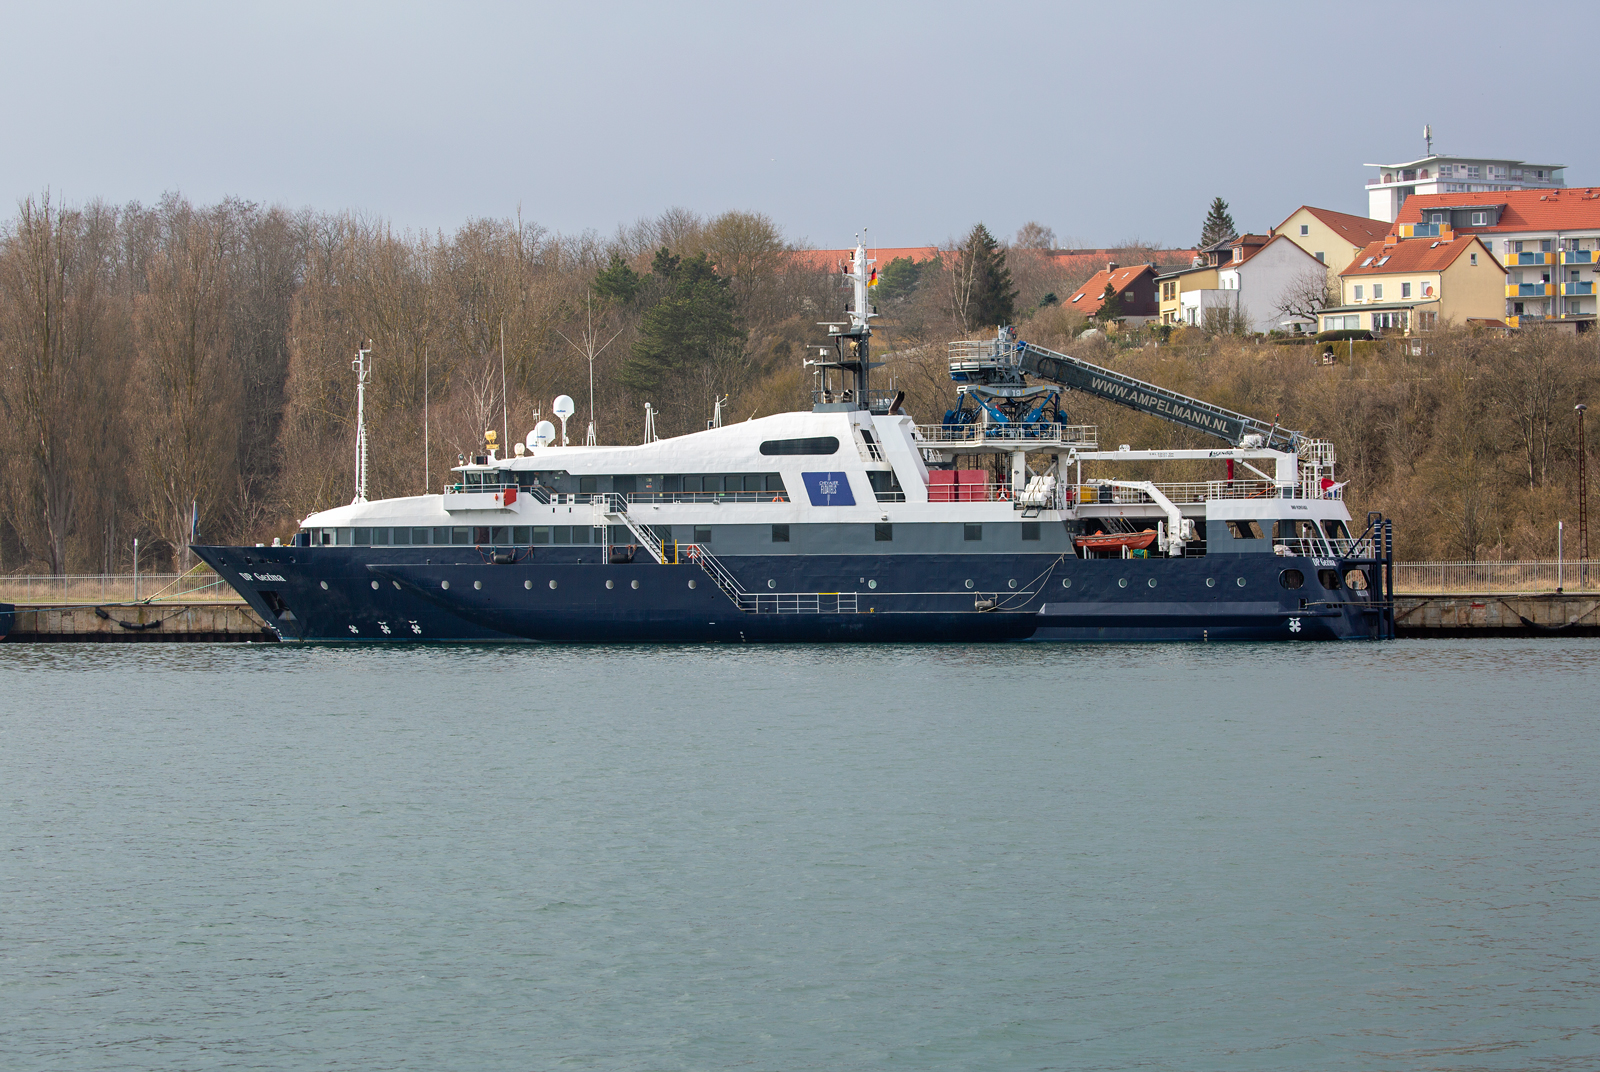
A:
[1211, 582]
[1241, 582]
[552, 583]
[772, 584]
[691, 584]
[1122, 582]
[1292, 579]
[374, 586]
[969, 583]
[1066, 582]
[477, 586]
[1356, 580]
[324, 586]
[445, 585]
[527, 584]
[635, 584]
[872, 584]
[1151, 582]
[1012, 582]
[610, 585]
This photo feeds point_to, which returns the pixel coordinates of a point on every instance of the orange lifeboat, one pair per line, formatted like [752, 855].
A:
[1133, 541]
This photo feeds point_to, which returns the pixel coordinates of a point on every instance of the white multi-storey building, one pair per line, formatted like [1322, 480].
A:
[1439, 174]
[1549, 242]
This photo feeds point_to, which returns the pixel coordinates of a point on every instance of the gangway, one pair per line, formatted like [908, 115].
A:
[998, 366]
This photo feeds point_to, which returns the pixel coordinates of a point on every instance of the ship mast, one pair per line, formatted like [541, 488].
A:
[851, 353]
[363, 373]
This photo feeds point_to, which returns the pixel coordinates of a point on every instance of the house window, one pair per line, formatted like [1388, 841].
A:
[1437, 217]
[1360, 292]
[1516, 247]
[1320, 257]
[1405, 290]
[1545, 245]
[1377, 292]
[1474, 171]
[1305, 228]
[1474, 260]
[1480, 219]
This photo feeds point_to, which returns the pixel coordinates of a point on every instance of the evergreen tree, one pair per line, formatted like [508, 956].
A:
[985, 296]
[1218, 225]
[1110, 306]
[616, 281]
[691, 320]
[898, 280]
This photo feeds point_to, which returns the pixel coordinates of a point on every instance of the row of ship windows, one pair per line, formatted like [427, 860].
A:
[696, 483]
[536, 535]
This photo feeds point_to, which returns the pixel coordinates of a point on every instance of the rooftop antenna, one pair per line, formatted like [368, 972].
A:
[590, 351]
[649, 423]
[563, 408]
[1427, 136]
[363, 373]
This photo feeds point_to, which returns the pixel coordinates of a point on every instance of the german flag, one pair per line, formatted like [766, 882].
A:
[872, 280]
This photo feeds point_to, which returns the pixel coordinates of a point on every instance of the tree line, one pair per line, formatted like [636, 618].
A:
[178, 368]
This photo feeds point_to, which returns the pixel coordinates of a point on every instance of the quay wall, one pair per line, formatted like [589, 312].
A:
[1544, 614]
[189, 621]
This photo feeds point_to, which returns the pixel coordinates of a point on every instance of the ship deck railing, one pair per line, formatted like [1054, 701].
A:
[1199, 491]
[977, 438]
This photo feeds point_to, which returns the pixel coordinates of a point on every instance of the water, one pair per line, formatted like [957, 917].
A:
[1055, 857]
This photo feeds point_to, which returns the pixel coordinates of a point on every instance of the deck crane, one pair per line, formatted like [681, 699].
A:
[994, 374]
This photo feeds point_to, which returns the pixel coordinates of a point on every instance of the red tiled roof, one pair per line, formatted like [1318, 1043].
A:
[1564, 209]
[1088, 298]
[832, 259]
[1060, 258]
[1357, 230]
[1414, 255]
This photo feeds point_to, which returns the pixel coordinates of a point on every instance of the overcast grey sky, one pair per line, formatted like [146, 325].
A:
[1101, 120]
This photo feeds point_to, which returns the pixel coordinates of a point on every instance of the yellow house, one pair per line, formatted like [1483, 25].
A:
[1407, 285]
[1174, 283]
[1334, 238]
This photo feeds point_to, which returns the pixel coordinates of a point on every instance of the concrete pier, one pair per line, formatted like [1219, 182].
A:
[1545, 614]
[175, 622]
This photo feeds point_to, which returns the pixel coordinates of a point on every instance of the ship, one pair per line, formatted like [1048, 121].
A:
[851, 521]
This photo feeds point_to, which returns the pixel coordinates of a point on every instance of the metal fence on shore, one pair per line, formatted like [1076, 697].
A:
[195, 586]
[1445, 578]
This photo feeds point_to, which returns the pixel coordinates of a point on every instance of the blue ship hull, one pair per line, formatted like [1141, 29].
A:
[387, 594]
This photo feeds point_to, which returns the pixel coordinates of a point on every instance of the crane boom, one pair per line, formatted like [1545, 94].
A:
[999, 366]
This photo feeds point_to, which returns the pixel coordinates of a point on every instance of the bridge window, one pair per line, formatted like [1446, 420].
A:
[1245, 530]
[521, 534]
[541, 534]
[780, 534]
[814, 445]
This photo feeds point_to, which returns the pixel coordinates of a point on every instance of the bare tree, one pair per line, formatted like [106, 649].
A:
[1308, 293]
[1034, 235]
[53, 305]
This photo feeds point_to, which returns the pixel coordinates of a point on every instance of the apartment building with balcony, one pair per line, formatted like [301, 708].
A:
[1549, 242]
[1409, 285]
[1388, 190]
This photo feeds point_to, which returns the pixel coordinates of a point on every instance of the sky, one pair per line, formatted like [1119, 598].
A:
[1103, 121]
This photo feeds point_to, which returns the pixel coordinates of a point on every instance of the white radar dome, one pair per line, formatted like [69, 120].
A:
[563, 407]
[543, 434]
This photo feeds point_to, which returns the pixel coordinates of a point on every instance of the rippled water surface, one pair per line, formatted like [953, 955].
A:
[1055, 857]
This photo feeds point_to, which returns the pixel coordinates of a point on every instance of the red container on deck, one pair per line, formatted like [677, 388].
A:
[941, 485]
[972, 485]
